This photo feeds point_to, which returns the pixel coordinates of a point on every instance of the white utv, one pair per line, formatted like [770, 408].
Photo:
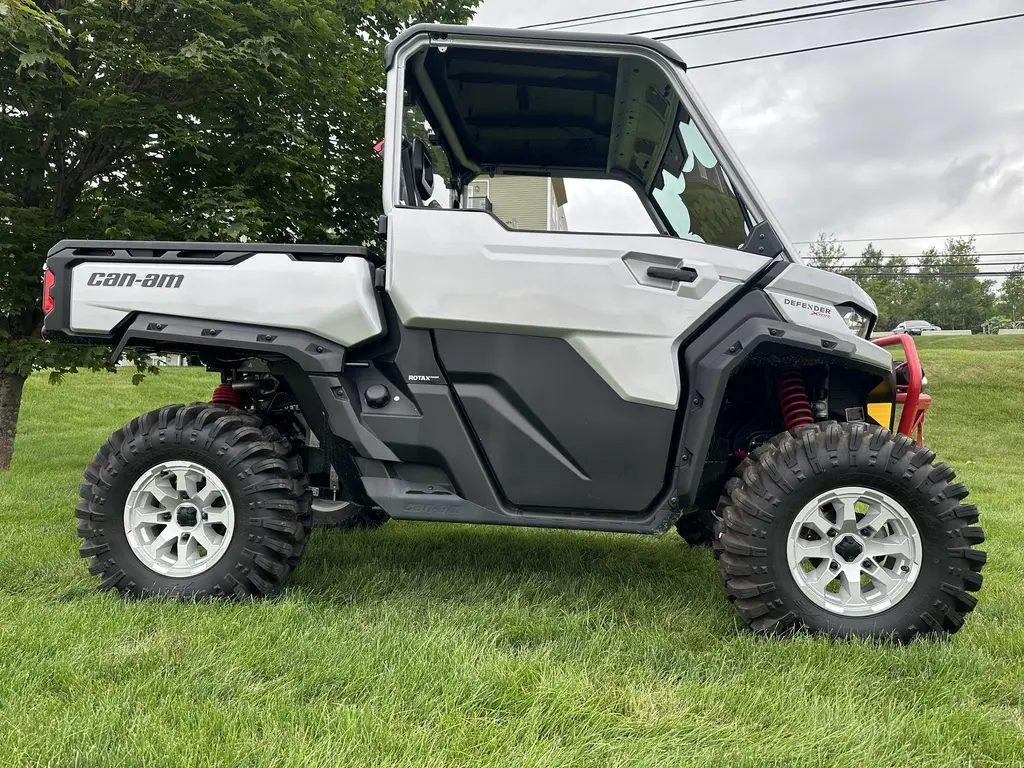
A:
[700, 377]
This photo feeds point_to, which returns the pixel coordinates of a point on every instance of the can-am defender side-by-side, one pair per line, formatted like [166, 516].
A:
[523, 375]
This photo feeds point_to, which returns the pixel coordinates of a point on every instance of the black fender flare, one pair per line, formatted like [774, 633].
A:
[711, 358]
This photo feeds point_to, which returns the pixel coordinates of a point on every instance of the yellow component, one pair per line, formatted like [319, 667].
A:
[881, 413]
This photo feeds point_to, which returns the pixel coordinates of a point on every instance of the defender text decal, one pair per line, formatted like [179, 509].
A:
[815, 309]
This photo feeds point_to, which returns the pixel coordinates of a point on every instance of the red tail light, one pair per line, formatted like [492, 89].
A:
[48, 281]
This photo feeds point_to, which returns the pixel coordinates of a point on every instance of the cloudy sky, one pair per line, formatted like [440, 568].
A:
[916, 136]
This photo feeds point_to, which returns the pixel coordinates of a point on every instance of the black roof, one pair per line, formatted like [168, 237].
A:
[442, 31]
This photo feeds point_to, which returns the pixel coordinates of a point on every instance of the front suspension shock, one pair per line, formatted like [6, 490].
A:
[793, 400]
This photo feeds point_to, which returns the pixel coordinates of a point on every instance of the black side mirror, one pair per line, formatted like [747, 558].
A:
[422, 170]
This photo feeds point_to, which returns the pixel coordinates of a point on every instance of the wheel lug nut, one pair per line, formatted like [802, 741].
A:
[866, 532]
[905, 569]
[869, 564]
[205, 516]
[833, 566]
[832, 533]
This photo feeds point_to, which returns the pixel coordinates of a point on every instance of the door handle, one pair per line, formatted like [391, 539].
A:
[677, 274]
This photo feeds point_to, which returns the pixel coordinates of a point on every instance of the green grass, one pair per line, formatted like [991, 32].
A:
[433, 645]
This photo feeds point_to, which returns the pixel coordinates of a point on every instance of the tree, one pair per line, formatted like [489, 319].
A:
[1011, 295]
[957, 301]
[827, 253]
[182, 119]
[885, 280]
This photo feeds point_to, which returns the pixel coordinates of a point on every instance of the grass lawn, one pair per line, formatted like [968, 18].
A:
[432, 645]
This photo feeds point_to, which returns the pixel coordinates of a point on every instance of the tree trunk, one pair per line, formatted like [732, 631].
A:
[11, 386]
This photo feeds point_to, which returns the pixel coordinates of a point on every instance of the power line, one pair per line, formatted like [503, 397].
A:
[845, 43]
[855, 265]
[975, 254]
[893, 5]
[742, 16]
[1017, 265]
[923, 275]
[913, 237]
[648, 10]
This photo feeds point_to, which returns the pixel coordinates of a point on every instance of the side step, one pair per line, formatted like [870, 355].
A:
[405, 500]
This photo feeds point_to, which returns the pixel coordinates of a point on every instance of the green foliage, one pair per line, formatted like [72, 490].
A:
[827, 253]
[994, 324]
[184, 120]
[1011, 295]
[919, 289]
[198, 119]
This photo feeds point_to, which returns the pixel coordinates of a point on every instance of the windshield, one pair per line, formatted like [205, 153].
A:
[692, 192]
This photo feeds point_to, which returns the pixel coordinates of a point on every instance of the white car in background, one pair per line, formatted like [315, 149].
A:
[915, 327]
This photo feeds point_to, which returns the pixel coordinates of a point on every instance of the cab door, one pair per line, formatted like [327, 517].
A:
[562, 348]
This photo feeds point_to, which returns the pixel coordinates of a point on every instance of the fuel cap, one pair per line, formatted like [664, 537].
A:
[377, 396]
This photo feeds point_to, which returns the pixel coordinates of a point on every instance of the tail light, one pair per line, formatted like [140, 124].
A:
[48, 281]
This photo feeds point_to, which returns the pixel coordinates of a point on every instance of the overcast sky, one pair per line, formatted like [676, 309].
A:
[916, 136]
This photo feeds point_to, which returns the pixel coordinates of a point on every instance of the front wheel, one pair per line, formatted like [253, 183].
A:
[850, 531]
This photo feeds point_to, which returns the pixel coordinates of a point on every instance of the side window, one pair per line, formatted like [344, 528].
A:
[693, 193]
[543, 204]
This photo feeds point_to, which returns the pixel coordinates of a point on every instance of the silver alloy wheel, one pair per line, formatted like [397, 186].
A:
[854, 551]
[179, 519]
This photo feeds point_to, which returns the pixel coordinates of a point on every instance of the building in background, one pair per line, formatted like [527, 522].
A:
[522, 202]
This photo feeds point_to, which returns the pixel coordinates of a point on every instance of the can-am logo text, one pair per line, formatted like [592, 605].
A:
[130, 279]
[816, 310]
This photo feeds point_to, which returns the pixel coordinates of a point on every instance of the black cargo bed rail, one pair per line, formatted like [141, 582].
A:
[69, 252]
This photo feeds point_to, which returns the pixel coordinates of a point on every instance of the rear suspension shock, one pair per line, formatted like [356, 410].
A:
[225, 394]
[793, 400]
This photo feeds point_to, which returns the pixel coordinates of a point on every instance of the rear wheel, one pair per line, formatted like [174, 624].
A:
[194, 501]
[848, 530]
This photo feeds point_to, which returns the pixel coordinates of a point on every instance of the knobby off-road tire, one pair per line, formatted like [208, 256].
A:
[254, 477]
[788, 475]
[346, 516]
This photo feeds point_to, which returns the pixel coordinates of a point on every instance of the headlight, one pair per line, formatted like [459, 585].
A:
[856, 320]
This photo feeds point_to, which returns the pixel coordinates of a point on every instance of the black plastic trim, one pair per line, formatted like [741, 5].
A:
[763, 241]
[339, 452]
[146, 251]
[554, 433]
[406, 500]
[175, 334]
[714, 356]
[768, 276]
[676, 274]
[449, 31]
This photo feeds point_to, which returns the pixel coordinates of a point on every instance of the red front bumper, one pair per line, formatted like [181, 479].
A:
[915, 403]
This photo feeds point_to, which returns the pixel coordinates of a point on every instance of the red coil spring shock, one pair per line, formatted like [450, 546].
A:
[796, 406]
[225, 394]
